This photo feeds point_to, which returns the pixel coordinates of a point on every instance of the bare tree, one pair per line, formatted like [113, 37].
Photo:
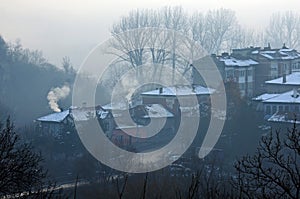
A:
[220, 24]
[131, 44]
[21, 172]
[137, 43]
[273, 171]
[244, 37]
[121, 190]
[213, 30]
[284, 28]
[67, 65]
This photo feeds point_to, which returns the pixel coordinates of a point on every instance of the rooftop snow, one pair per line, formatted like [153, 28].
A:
[82, 114]
[283, 117]
[267, 56]
[291, 79]
[231, 61]
[116, 106]
[157, 111]
[181, 91]
[264, 97]
[54, 117]
[78, 114]
[281, 54]
[286, 97]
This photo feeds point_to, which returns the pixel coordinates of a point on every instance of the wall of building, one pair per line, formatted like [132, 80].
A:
[272, 108]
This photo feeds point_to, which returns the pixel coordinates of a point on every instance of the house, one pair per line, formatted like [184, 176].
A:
[56, 123]
[283, 108]
[272, 63]
[258, 101]
[239, 70]
[168, 97]
[284, 83]
[130, 125]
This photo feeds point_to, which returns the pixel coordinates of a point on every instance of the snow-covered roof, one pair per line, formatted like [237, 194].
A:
[279, 54]
[284, 117]
[231, 61]
[157, 111]
[122, 105]
[78, 114]
[54, 117]
[287, 97]
[180, 91]
[82, 114]
[264, 97]
[291, 79]
[268, 56]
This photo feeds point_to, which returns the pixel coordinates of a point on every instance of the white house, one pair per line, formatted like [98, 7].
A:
[284, 83]
[283, 107]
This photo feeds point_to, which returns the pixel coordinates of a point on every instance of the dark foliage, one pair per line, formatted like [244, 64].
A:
[273, 171]
[21, 172]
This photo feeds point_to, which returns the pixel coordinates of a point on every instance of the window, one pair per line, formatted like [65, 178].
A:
[250, 86]
[229, 73]
[268, 110]
[273, 69]
[249, 72]
[242, 86]
[280, 108]
[296, 109]
[286, 108]
[274, 109]
[242, 73]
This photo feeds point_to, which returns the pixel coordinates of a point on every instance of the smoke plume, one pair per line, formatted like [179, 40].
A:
[56, 94]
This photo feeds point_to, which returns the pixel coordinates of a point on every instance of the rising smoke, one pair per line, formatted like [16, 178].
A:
[56, 94]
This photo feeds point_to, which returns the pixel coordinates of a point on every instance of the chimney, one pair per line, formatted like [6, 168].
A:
[160, 90]
[225, 54]
[284, 78]
[295, 93]
[284, 46]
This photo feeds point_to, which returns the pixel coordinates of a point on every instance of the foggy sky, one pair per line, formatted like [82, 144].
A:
[72, 27]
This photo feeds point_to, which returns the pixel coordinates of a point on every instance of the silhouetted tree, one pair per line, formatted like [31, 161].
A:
[273, 171]
[21, 172]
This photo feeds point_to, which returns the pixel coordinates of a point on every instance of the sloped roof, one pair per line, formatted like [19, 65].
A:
[121, 105]
[78, 114]
[286, 97]
[264, 97]
[231, 61]
[278, 54]
[291, 79]
[54, 117]
[157, 111]
[82, 114]
[180, 91]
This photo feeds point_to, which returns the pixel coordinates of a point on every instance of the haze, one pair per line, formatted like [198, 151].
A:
[72, 27]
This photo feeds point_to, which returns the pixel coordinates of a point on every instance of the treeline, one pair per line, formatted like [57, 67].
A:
[216, 30]
[172, 36]
[26, 77]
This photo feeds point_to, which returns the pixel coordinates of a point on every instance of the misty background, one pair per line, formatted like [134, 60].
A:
[73, 28]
